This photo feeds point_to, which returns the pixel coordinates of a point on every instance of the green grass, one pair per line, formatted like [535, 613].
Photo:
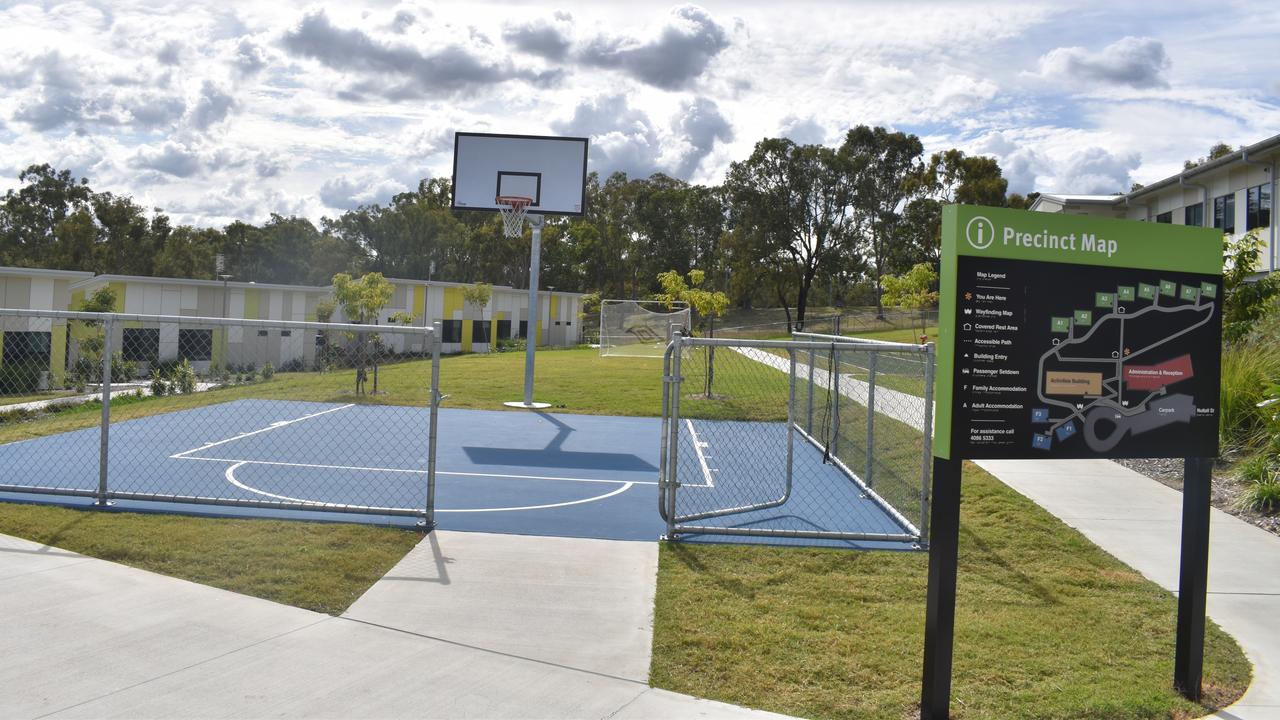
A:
[902, 335]
[1047, 626]
[317, 566]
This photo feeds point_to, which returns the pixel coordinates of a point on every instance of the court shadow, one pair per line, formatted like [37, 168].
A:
[438, 558]
[552, 456]
[549, 458]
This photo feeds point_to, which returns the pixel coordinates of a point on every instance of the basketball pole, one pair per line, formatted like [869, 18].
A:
[531, 322]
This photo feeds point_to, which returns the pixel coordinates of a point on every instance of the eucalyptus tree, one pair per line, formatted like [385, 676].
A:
[793, 204]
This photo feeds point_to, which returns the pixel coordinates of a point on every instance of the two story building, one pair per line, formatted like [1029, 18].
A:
[1234, 193]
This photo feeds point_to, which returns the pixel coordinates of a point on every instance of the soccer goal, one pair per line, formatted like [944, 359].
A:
[639, 328]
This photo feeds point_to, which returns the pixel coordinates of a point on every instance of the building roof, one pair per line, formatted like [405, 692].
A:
[447, 283]
[42, 272]
[202, 283]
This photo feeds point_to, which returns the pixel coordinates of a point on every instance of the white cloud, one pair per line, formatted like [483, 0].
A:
[348, 193]
[268, 104]
[1130, 61]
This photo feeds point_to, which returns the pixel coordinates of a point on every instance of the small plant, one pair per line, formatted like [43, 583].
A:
[268, 371]
[292, 365]
[159, 386]
[1261, 497]
[183, 378]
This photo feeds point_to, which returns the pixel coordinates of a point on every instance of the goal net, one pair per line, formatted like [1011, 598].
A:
[639, 328]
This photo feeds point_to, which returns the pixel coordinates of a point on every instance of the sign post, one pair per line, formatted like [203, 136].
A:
[1063, 336]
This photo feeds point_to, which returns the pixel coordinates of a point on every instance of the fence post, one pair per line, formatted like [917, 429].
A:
[835, 400]
[433, 432]
[871, 419]
[791, 418]
[711, 356]
[809, 415]
[926, 461]
[838, 324]
[105, 429]
[673, 472]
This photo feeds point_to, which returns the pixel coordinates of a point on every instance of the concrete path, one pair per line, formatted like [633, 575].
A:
[903, 407]
[1138, 520]
[89, 638]
[581, 603]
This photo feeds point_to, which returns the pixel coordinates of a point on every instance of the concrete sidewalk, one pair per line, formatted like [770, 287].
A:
[89, 638]
[1138, 520]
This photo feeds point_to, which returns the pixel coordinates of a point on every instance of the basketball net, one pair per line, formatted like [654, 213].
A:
[513, 209]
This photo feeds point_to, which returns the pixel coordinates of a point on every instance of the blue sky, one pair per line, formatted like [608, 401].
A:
[223, 111]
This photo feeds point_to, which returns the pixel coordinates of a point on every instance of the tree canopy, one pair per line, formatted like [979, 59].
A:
[790, 225]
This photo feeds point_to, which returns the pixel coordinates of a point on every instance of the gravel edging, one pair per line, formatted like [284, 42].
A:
[1223, 495]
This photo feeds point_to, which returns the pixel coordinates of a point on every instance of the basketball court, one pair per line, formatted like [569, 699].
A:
[498, 471]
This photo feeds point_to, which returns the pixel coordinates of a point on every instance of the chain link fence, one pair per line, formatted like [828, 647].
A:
[849, 321]
[252, 413]
[820, 437]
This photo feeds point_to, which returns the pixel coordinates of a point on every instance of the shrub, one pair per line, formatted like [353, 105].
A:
[268, 371]
[1248, 369]
[292, 365]
[184, 378]
[121, 369]
[159, 386]
[1261, 497]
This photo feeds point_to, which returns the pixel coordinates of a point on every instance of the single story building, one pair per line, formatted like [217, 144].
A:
[42, 341]
[1234, 193]
[56, 344]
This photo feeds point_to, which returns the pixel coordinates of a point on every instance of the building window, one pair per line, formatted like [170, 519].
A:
[140, 344]
[262, 333]
[1165, 217]
[524, 330]
[23, 346]
[451, 331]
[1224, 213]
[286, 333]
[1258, 207]
[480, 331]
[195, 345]
[504, 329]
[1193, 215]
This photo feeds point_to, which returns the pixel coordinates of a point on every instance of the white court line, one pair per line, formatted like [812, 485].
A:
[239, 462]
[273, 426]
[702, 459]
[230, 475]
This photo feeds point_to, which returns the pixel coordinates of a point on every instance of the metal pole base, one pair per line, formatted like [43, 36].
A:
[527, 405]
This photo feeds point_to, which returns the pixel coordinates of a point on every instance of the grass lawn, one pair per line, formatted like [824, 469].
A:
[317, 566]
[1047, 626]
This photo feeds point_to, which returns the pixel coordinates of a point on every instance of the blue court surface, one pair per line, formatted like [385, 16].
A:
[498, 471]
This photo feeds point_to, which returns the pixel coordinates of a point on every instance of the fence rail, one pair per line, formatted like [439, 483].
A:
[269, 414]
[734, 409]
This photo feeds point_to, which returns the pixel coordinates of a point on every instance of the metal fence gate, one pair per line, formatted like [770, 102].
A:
[266, 414]
[820, 437]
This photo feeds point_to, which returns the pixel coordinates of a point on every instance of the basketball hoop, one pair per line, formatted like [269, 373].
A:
[513, 209]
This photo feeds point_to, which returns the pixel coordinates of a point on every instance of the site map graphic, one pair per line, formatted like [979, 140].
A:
[1065, 360]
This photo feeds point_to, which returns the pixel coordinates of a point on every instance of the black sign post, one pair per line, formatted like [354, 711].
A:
[940, 605]
[1193, 577]
[1073, 337]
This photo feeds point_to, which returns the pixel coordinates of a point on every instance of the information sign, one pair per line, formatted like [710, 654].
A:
[1075, 337]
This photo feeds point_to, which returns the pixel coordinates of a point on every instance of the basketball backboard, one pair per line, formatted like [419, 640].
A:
[551, 170]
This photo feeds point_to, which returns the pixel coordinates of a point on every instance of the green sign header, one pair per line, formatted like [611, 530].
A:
[1080, 240]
